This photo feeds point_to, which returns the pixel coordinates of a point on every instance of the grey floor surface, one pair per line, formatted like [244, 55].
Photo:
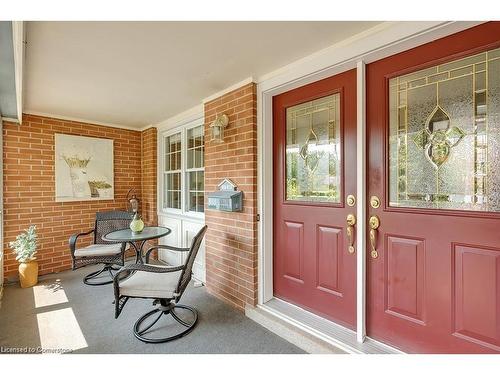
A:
[39, 318]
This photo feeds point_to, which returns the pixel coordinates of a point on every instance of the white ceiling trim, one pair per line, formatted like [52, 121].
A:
[18, 41]
[8, 119]
[90, 122]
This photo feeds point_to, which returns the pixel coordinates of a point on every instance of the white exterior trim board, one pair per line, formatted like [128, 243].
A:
[18, 44]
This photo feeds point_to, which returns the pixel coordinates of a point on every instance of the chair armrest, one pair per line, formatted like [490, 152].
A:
[74, 238]
[167, 247]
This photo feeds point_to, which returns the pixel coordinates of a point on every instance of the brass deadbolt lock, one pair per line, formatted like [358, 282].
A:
[351, 200]
[375, 201]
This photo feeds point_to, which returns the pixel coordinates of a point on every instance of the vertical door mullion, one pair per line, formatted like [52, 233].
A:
[361, 202]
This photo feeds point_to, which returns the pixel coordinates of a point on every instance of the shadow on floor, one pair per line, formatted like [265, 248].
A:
[63, 313]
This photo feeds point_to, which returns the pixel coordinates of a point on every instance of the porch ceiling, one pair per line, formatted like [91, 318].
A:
[140, 73]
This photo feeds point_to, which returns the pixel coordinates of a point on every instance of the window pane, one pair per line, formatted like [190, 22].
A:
[313, 150]
[200, 181]
[173, 152]
[192, 181]
[167, 162]
[196, 191]
[172, 197]
[172, 161]
[190, 159]
[197, 158]
[444, 136]
[176, 199]
[192, 201]
[195, 146]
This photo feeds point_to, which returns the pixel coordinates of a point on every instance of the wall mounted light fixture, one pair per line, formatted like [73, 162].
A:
[132, 201]
[220, 122]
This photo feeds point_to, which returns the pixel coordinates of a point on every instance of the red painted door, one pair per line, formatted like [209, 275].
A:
[314, 172]
[434, 160]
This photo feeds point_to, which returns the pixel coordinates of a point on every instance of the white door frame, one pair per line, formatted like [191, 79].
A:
[381, 41]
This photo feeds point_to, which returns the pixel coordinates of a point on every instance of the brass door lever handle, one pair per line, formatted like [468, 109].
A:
[374, 223]
[351, 222]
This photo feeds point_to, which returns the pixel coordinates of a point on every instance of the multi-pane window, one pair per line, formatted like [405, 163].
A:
[195, 170]
[172, 172]
[183, 171]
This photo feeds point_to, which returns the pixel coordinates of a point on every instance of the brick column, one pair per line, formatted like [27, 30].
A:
[148, 180]
[231, 240]
[148, 176]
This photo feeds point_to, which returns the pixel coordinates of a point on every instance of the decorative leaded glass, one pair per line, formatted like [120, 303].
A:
[313, 151]
[444, 141]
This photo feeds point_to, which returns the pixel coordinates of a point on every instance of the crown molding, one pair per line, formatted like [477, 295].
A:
[9, 119]
[87, 121]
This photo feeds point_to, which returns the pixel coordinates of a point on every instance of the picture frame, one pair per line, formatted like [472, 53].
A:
[84, 168]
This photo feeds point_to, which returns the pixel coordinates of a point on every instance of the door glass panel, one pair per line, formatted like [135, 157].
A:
[444, 136]
[313, 151]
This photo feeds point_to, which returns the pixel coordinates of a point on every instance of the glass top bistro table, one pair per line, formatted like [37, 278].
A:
[126, 235]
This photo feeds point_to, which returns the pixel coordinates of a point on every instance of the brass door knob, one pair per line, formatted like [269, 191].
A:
[351, 222]
[374, 223]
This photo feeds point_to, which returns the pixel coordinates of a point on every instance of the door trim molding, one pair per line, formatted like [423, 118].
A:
[361, 202]
[386, 40]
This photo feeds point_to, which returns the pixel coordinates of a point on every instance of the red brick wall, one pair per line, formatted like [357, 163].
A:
[29, 185]
[231, 240]
[148, 177]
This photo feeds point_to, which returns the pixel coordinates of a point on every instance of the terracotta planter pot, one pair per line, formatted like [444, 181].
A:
[28, 274]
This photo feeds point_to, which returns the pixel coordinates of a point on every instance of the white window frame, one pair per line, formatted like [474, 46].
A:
[183, 211]
[187, 170]
[165, 173]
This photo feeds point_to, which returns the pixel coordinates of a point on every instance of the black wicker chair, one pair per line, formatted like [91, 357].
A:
[101, 252]
[165, 285]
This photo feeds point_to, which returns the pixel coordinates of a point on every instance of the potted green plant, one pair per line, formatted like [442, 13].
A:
[25, 249]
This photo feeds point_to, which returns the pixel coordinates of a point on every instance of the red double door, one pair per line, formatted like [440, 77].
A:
[433, 196]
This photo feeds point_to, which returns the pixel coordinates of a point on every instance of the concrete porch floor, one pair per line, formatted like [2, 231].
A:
[62, 312]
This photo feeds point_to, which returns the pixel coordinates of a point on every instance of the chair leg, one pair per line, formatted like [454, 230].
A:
[139, 332]
[88, 280]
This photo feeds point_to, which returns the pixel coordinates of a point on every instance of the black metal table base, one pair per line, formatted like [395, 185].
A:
[90, 278]
[139, 251]
[140, 332]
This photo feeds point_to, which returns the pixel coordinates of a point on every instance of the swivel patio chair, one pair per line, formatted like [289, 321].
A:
[165, 285]
[101, 252]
